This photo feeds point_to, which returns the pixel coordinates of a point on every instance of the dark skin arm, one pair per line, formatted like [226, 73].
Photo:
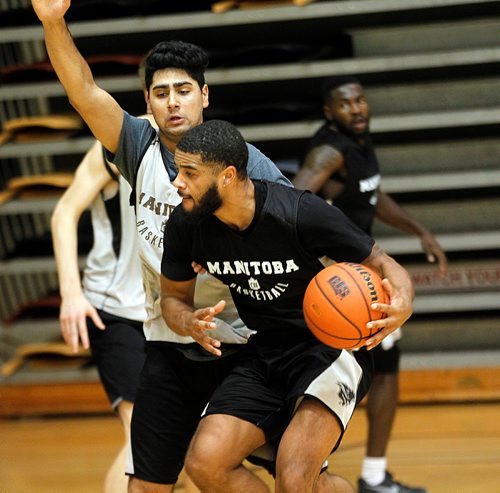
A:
[178, 311]
[398, 285]
[395, 280]
[322, 161]
[319, 164]
[389, 212]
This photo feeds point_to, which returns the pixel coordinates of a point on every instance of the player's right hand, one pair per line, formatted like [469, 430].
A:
[199, 269]
[73, 321]
[202, 321]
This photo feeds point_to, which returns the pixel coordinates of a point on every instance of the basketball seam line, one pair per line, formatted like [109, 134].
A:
[336, 309]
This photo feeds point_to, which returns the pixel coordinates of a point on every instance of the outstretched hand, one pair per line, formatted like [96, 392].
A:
[50, 10]
[201, 321]
[398, 311]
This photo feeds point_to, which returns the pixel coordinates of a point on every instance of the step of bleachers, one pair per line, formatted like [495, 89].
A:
[428, 37]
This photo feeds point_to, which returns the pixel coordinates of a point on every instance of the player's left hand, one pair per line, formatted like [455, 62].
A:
[434, 252]
[398, 311]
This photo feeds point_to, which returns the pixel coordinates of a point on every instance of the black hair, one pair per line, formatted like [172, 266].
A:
[176, 54]
[334, 83]
[217, 141]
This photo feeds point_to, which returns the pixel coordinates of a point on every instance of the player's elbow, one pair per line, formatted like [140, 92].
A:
[55, 218]
[63, 218]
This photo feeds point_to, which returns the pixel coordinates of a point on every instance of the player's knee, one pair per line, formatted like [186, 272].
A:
[204, 466]
[295, 474]
[293, 482]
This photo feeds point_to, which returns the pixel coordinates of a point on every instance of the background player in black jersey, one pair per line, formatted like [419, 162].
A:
[264, 241]
[341, 166]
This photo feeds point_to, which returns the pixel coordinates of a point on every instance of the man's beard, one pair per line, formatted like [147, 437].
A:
[350, 132]
[209, 203]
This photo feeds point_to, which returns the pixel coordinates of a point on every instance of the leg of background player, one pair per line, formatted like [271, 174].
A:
[116, 480]
[381, 410]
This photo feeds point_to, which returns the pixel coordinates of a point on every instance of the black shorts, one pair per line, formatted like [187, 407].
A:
[268, 384]
[172, 393]
[119, 353]
[386, 361]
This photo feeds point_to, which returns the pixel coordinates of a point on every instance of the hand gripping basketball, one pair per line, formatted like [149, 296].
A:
[337, 304]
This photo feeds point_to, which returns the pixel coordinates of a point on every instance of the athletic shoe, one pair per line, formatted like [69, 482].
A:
[388, 485]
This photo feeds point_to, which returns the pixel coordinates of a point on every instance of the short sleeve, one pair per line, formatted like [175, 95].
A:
[260, 167]
[324, 230]
[135, 136]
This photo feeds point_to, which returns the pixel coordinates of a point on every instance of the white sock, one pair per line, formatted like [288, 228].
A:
[373, 470]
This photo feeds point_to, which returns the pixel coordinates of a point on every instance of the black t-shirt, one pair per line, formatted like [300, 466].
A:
[268, 265]
[358, 199]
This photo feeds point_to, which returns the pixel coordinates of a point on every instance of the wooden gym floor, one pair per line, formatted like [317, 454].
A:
[449, 448]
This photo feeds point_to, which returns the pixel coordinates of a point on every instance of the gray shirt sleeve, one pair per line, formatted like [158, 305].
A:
[260, 167]
[135, 136]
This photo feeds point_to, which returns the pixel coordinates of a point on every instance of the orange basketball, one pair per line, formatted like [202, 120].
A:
[337, 304]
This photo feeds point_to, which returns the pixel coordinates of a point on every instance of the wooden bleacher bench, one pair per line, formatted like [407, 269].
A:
[44, 355]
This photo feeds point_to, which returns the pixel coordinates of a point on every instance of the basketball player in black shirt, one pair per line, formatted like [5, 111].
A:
[341, 166]
[264, 241]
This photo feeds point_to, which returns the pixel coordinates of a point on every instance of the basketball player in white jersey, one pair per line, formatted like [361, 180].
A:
[178, 376]
[111, 295]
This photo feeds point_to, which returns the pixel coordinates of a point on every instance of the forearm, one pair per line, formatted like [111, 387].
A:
[71, 68]
[177, 314]
[389, 269]
[405, 223]
[398, 277]
[389, 212]
[64, 238]
[101, 112]
[398, 285]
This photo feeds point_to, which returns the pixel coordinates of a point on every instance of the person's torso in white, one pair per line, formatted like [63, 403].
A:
[112, 280]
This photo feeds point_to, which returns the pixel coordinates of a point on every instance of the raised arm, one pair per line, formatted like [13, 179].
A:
[399, 287]
[317, 168]
[90, 178]
[99, 109]
[180, 315]
[389, 212]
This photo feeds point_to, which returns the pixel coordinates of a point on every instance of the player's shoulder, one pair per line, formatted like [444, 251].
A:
[254, 154]
[326, 135]
[141, 124]
[283, 193]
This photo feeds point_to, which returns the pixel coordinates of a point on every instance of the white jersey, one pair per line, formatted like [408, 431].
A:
[112, 279]
[140, 160]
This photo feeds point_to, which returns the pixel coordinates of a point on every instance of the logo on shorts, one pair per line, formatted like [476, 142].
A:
[346, 394]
